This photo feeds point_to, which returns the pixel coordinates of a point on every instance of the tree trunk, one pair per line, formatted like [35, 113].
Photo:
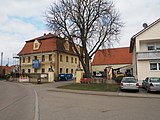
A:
[87, 66]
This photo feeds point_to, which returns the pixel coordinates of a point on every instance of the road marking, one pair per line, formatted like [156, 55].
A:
[36, 111]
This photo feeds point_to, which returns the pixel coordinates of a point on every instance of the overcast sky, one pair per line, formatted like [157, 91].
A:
[21, 20]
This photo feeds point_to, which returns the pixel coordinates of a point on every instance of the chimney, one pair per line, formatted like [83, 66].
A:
[44, 34]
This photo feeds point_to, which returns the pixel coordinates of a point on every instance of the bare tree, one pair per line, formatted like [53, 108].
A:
[93, 24]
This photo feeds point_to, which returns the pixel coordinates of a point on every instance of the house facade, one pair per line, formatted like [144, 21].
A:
[145, 48]
[48, 53]
[4, 70]
[114, 59]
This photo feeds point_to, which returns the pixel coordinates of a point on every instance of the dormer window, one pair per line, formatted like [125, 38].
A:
[66, 45]
[36, 45]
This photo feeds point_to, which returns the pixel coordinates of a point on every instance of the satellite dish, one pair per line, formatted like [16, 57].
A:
[145, 25]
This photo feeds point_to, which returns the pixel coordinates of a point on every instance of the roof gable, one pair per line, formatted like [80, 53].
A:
[132, 41]
[145, 29]
[112, 56]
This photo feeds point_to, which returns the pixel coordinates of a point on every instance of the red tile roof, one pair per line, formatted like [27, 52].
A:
[48, 42]
[7, 69]
[112, 56]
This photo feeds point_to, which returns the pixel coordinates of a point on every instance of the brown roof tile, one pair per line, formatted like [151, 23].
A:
[48, 42]
[112, 56]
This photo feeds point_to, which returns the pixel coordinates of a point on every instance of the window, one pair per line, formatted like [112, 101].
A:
[71, 59]
[23, 71]
[29, 59]
[43, 58]
[158, 46]
[35, 70]
[72, 71]
[66, 58]
[36, 45]
[153, 66]
[23, 60]
[66, 45]
[75, 60]
[151, 47]
[67, 70]
[35, 57]
[159, 65]
[50, 57]
[29, 70]
[43, 70]
[61, 58]
[61, 70]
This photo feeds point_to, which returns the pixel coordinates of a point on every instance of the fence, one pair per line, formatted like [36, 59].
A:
[33, 77]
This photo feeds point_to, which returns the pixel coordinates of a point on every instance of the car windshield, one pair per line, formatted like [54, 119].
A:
[129, 80]
[155, 80]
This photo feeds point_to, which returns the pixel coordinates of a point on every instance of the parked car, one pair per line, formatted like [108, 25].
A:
[129, 83]
[151, 84]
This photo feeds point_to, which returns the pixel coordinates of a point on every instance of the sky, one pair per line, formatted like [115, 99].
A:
[22, 20]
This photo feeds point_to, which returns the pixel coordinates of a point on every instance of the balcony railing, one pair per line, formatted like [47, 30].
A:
[148, 55]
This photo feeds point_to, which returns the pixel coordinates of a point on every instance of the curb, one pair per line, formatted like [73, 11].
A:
[112, 94]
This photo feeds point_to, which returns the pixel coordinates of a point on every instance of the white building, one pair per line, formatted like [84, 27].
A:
[145, 46]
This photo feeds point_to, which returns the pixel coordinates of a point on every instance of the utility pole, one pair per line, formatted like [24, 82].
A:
[8, 61]
[1, 58]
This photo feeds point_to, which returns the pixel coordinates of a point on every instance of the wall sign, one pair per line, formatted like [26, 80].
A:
[35, 64]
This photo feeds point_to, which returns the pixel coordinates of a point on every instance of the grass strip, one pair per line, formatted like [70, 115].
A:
[92, 87]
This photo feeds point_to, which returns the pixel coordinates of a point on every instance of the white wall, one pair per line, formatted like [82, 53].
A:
[134, 62]
[143, 67]
[152, 33]
[102, 67]
[144, 71]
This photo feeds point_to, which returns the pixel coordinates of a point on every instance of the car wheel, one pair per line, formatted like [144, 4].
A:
[148, 90]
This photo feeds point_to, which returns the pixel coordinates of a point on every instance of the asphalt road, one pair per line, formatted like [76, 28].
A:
[17, 102]
[69, 106]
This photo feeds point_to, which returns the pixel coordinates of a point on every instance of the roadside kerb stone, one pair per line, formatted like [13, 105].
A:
[114, 94]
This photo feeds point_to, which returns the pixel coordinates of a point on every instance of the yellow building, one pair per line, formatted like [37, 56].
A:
[46, 53]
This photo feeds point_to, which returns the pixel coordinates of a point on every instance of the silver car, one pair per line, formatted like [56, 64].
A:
[151, 84]
[129, 83]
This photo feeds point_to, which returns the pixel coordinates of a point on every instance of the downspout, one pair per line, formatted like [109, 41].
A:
[57, 65]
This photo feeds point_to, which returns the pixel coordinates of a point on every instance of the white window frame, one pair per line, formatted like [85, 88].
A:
[158, 66]
[156, 46]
